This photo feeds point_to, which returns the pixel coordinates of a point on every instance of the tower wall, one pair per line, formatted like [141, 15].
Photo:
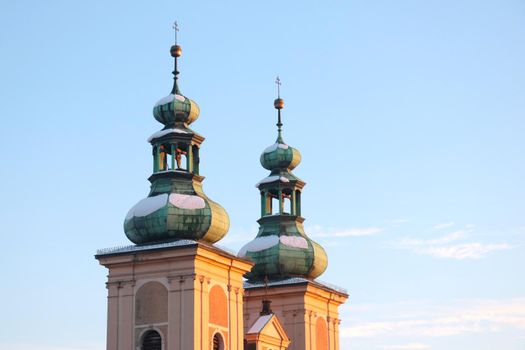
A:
[179, 278]
[299, 307]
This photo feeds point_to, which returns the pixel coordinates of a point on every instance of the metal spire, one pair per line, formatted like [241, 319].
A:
[278, 104]
[176, 51]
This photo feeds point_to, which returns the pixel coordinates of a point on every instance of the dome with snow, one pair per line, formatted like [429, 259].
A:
[172, 215]
[282, 249]
[280, 155]
[176, 108]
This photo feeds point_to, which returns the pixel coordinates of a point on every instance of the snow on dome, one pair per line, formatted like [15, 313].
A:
[274, 147]
[272, 179]
[147, 206]
[164, 132]
[186, 201]
[169, 99]
[258, 244]
[294, 241]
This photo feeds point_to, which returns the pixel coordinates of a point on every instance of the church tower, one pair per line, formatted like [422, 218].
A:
[286, 260]
[174, 289]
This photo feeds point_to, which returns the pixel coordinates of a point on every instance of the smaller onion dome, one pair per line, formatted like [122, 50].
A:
[176, 108]
[280, 156]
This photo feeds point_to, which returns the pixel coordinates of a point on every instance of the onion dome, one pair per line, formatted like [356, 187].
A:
[280, 155]
[281, 248]
[175, 107]
[176, 207]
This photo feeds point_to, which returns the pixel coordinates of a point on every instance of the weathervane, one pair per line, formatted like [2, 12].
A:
[176, 29]
[278, 82]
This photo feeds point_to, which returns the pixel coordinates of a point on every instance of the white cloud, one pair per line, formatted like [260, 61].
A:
[444, 225]
[409, 346]
[434, 320]
[451, 237]
[463, 251]
[441, 247]
[318, 231]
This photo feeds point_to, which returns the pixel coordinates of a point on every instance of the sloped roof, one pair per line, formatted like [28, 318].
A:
[259, 324]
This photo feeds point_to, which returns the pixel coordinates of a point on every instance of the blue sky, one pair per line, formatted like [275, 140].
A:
[409, 116]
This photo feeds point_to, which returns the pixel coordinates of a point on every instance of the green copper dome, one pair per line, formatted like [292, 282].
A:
[281, 248]
[280, 155]
[176, 108]
[176, 207]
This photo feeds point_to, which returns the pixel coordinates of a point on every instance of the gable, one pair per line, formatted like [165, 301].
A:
[269, 328]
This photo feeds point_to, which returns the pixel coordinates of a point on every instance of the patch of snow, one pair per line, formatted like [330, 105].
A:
[258, 244]
[272, 179]
[164, 132]
[294, 241]
[147, 206]
[169, 99]
[259, 324]
[274, 147]
[187, 201]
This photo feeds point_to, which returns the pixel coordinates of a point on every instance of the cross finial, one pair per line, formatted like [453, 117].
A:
[278, 82]
[176, 29]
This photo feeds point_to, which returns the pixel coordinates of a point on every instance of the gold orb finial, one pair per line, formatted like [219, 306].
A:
[176, 51]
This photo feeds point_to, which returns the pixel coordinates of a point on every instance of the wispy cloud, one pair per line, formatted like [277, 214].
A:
[319, 231]
[459, 317]
[447, 246]
[444, 225]
[463, 251]
[409, 346]
[451, 237]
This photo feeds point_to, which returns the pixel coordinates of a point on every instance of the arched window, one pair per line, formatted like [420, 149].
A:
[151, 341]
[218, 343]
